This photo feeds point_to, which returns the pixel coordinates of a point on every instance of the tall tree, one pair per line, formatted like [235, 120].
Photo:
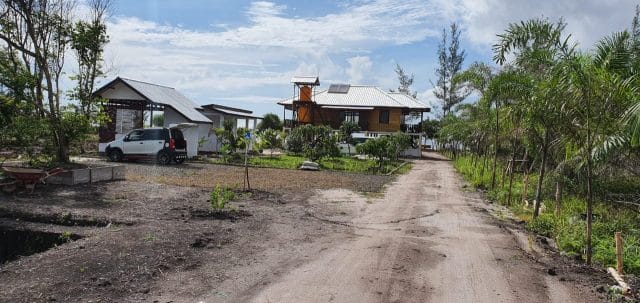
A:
[538, 46]
[37, 36]
[405, 80]
[88, 39]
[450, 59]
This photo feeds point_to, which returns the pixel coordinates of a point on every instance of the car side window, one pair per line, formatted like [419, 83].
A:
[135, 135]
[153, 134]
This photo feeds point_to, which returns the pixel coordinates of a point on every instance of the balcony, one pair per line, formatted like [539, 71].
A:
[410, 128]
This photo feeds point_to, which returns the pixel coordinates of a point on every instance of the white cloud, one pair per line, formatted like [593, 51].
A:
[359, 67]
[587, 21]
[274, 44]
[266, 51]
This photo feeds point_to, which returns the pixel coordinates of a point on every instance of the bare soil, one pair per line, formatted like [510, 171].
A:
[297, 237]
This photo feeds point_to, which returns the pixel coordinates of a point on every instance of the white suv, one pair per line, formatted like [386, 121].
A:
[163, 144]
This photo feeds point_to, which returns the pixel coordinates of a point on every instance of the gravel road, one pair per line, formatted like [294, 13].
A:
[425, 240]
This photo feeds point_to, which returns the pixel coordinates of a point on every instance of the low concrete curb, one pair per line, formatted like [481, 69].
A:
[88, 175]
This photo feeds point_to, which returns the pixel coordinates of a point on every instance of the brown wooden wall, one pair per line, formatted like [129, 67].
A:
[395, 116]
[369, 119]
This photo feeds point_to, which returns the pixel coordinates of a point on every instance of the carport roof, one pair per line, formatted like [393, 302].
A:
[163, 95]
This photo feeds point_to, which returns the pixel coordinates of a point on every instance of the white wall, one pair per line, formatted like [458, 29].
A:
[121, 91]
[192, 135]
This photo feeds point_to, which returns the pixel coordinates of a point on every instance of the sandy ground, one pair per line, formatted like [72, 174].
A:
[302, 237]
[423, 241]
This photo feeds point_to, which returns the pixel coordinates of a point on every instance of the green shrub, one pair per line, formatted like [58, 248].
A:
[543, 225]
[315, 142]
[220, 196]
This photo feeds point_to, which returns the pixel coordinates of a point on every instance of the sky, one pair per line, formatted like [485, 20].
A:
[244, 53]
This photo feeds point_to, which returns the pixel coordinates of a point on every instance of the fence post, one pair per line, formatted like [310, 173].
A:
[619, 257]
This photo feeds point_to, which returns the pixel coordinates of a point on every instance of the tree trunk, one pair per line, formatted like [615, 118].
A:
[513, 163]
[537, 201]
[495, 154]
[525, 183]
[558, 196]
[589, 190]
[525, 188]
[63, 147]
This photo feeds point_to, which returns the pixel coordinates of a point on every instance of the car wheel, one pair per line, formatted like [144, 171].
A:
[164, 158]
[114, 155]
[179, 160]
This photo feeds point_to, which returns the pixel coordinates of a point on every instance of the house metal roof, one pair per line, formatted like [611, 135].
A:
[364, 96]
[238, 112]
[163, 95]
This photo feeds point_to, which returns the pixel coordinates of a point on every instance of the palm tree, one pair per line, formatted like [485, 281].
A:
[599, 98]
[538, 46]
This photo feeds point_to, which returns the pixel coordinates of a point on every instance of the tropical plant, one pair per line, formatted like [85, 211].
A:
[270, 121]
[347, 128]
[270, 139]
[315, 142]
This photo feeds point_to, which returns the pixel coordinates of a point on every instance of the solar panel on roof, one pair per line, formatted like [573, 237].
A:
[339, 88]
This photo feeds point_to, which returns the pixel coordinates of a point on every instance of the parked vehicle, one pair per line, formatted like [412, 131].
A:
[163, 144]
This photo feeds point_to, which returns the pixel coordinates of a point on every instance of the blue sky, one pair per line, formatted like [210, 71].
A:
[243, 53]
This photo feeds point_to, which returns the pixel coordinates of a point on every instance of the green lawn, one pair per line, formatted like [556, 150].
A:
[347, 164]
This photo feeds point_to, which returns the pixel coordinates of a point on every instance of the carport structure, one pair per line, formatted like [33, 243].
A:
[126, 101]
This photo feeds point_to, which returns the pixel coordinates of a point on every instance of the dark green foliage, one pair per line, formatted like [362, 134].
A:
[430, 128]
[385, 148]
[315, 142]
[270, 121]
[347, 128]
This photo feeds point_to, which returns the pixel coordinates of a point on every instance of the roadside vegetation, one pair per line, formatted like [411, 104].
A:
[312, 143]
[554, 135]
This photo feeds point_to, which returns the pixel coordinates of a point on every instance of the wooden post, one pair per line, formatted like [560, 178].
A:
[619, 257]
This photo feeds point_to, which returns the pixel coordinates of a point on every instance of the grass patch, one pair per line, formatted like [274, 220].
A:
[566, 226]
[346, 164]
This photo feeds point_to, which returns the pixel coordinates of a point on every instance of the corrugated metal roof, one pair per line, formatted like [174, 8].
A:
[168, 96]
[309, 80]
[233, 112]
[363, 95]
[407, 100]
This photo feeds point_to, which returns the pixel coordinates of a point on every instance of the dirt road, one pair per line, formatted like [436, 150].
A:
[425, 240]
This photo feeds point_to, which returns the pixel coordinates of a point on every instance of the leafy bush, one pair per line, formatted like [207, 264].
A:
[543, 225]
[385, 148]
[220, 196]
[270, 139]
[315, 142]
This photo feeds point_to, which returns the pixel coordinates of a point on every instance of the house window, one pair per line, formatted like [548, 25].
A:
[352, 116]
[384, 116]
